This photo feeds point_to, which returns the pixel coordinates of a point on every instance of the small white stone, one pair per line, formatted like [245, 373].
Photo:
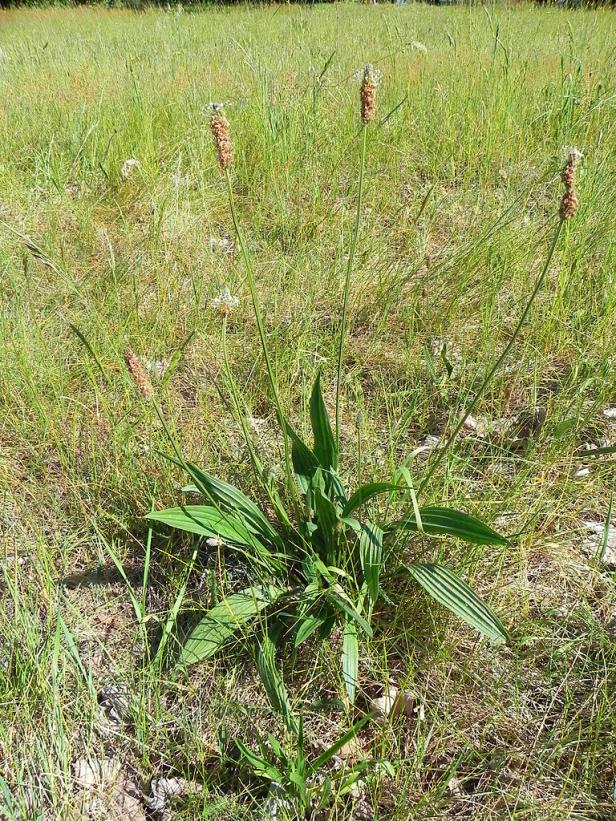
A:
[470, 424]
[454, 785]
[408, 703]
[594, 544]
[382, 706]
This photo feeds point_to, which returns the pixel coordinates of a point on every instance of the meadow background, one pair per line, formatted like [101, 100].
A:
[477, 107]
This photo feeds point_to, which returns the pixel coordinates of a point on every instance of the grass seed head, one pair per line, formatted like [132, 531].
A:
[570, 202]
[139, 373]
[367, 94]
[222, 137]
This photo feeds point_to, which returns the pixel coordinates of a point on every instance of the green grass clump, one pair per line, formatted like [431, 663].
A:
[477, 108]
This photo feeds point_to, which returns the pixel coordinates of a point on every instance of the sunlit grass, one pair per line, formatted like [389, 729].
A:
[476, 110]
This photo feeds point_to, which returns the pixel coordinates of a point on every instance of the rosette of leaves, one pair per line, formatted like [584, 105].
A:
[320, 566]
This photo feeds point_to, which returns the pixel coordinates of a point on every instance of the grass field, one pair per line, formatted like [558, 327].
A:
[476, 110]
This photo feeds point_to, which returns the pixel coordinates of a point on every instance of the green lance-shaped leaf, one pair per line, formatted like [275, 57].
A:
[219, 623]
[261, 767]
[210, 522]
[350, 658]
[328, 521]
[337, 597]
[324, 442]
[305, 463]
[449, 589]
[366, 492]
[205, 520]
[307, 625]
[371, 556]
[273, 683]
[230, 498]
[443, 521]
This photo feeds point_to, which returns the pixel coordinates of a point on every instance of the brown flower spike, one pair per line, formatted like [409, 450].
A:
[222, 137]
[570, 203]
[367, 94]
[139, 373]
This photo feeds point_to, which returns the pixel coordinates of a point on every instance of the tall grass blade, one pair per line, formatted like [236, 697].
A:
[328, 754]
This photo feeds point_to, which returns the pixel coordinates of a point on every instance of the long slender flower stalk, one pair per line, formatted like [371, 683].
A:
[241, 415]
[367, 97]
[223, 144]
[568, 208]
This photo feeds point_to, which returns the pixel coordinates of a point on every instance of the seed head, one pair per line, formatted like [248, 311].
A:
[222, 137]
[570, 203]
[367, 93]
[139, 373]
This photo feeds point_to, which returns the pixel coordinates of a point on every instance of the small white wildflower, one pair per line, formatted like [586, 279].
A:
[128, 167]
[573, 154]
[417, 46]
[222, 244]
[225, 303]
[157, 367]
[179, 180]
[368, 74]
[256, 424]
[212, 108]
[214, 542]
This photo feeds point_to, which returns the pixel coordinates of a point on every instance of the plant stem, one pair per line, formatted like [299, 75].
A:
[260, 328]
[440, 453]
[347, 281]
[241, 416]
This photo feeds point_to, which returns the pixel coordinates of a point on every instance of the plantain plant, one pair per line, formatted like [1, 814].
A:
[319, 565]
[317, 562]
